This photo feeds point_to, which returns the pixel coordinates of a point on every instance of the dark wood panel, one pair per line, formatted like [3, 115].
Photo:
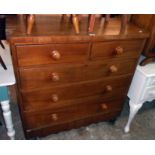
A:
[129, 49]
[93, 75]
[72, 113]
[40, 132]
[51, 53]
[108, 89]
[46, 25]
[48, 104]
[43, 77]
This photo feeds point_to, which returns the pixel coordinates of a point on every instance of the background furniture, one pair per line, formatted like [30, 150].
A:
[66, 80]
[2, 37]
[76, 22]
[7, 78]
[142, 89]
[147, 21]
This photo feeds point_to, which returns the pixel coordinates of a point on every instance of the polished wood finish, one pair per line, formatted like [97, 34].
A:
[30, 22]
[91, 23]
[104, 50]
[74, 85]
[51, 53]
[124, 23]
[72, 124]
[68, 114]
[75, 21]
[104, 88]
[46, 76]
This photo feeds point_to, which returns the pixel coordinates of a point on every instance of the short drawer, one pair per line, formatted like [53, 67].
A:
[151, 81]
[113, 88]
[69, 114]
[148, 94]
[113, 49]
[51, 53]
[43, 77]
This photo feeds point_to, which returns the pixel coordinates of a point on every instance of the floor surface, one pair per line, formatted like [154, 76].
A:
[143, 127]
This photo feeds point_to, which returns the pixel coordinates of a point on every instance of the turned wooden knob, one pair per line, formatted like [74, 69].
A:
[119, 50]
[55, 98]
[104, 106]
[55, 55]
[113, 69]
[109, 88]
[55, 77]
[55, 117]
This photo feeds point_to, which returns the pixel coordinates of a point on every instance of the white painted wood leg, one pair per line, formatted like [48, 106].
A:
[134, 107]
[8, 119]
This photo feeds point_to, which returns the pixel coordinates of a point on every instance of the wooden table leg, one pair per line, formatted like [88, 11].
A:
[91, 23]
[75, 21]
[30, 23]
[107, 17]
[124, 21]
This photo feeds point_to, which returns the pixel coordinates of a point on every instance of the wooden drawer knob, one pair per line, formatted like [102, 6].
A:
[54, 117]
[55, 77]
[109, 88]
[119, 50]
[55, 98]
[55, 55]
[104, 106]
[113, 69]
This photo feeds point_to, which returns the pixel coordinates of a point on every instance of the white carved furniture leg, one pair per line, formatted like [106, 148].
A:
[134, 107]
[8, 119]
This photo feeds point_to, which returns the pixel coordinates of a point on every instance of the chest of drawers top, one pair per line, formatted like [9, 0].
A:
[53, 26]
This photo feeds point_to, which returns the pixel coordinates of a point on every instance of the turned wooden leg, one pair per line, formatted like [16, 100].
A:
[107, 17]
[134, 107]
[75, 21]
[146, 61]
[8, 119]
[63, 17]
[30, 23]
[91, 23]
[124, 21]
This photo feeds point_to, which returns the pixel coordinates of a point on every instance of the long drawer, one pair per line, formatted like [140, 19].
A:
[43, 77]
[111, 88]
[114, 49]
[29, 55]
[69, 114]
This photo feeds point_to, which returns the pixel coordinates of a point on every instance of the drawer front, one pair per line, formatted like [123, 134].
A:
[49, 104]
[108, 89]
[151, 81]
[69, 114]
[53, 53]
[114, 49]
[44, 77]
[148, 94]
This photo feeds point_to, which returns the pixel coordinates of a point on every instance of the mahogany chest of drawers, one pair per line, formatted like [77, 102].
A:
[67, 81]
